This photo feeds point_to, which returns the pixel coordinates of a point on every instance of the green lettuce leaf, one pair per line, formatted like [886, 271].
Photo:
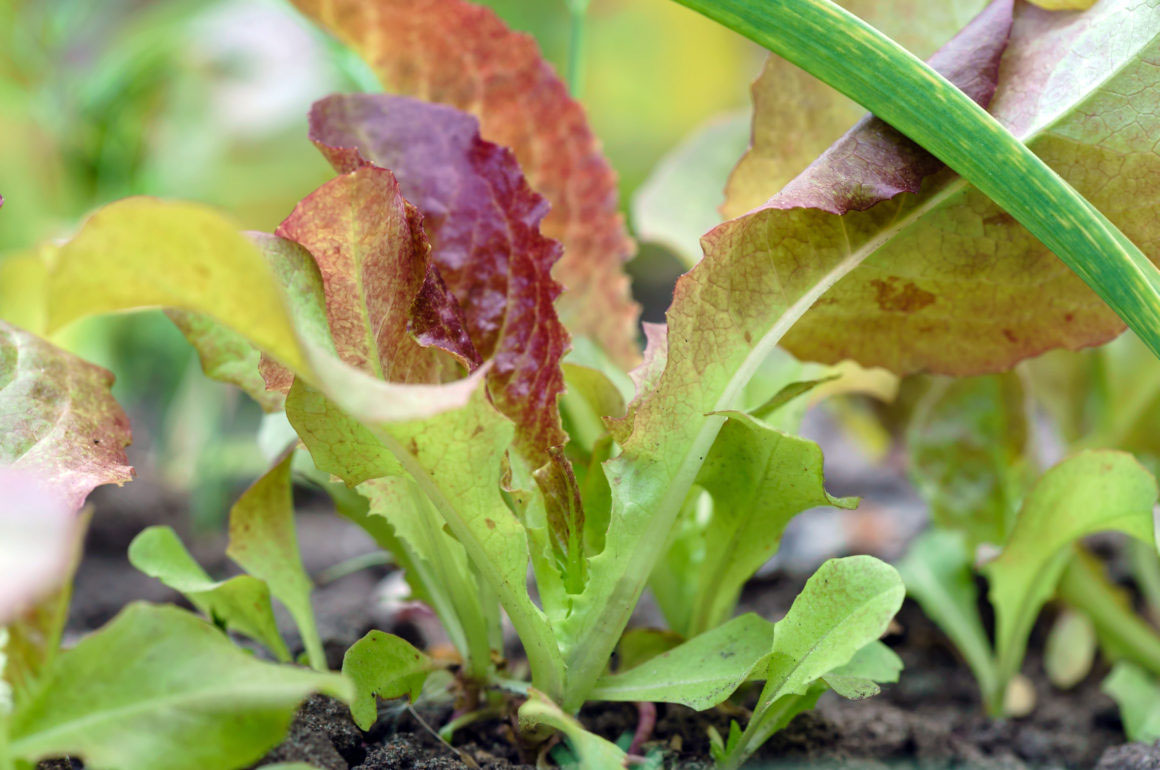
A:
[699, 673]
[796, 116]
[461, 54]
[727, 316]
[240, 604]
[591, 750]
[939, 574]
[843, 608]
[159, 689]
[383, 665]
[759, 479]
[227, 356]
[968, 442]
[1093, 491]
[437, 567]
[264, 542]
[1138, 696]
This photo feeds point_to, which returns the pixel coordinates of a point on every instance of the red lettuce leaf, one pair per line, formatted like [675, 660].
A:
[483, 221]
[874, 162]
[374, 260]
[460, 54]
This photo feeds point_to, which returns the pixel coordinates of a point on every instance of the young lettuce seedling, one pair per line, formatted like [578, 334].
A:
[968, 443]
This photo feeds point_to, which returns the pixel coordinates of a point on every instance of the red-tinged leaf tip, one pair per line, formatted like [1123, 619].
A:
[483, 222]
[374, 261]
[873, 162]
[482, 219]
[461, 54]
[58, 419]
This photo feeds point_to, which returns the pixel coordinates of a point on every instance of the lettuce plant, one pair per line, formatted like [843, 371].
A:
[447, 329]
[973, 459]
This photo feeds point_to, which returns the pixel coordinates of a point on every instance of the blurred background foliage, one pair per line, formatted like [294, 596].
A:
[206, 100]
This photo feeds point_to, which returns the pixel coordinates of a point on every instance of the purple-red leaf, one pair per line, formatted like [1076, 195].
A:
[375, 266]
[483, 221]
[874, 162]
[454, 52]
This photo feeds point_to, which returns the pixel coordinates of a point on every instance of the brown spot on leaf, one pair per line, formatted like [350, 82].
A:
[490, 524]
[893, 296]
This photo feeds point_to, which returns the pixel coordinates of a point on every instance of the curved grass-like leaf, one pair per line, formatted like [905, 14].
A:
[1093, 491]
[159, 689]
[461, 54]
[1057, 72]
[796, 116]
[264, 542]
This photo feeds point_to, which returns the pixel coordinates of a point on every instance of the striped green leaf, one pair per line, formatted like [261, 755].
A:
[851, 56]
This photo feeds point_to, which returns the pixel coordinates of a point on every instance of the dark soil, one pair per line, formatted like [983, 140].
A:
[931, 719]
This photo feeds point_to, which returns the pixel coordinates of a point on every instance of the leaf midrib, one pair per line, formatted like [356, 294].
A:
[216, 695]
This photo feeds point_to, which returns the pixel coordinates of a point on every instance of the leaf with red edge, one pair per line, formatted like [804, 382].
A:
[482, 220]
[58, 419]
[796, 116]
[61, 435]
[374, 261]
[454, 52]
[728, 314]
[873, 162]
